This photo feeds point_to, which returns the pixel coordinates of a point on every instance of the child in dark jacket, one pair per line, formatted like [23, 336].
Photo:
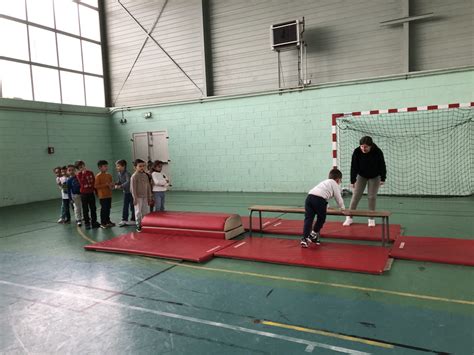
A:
[74, 192]
[123, 184]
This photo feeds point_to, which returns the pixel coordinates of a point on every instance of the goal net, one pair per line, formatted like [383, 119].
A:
[427, 152]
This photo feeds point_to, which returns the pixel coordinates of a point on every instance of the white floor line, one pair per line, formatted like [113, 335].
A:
[309, 345]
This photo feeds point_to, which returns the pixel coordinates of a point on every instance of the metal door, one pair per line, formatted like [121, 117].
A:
[152, 146]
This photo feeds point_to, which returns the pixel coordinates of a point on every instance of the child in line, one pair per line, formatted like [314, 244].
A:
[123, 184]
[141, 192]
[316, 205]
[57, 173]
[103, 185]
[65, 211]
[148, 172]
[160, 185]
[87, 180]
[74, 193]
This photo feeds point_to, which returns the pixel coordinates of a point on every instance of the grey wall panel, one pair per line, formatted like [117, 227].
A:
[445, 41]
[344, 37]
[345, 41]
[155, 78]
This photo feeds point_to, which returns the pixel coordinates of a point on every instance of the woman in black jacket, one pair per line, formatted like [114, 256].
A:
[367, 169]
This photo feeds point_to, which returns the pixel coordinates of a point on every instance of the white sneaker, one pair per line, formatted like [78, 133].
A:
[123, 223]
[347, 222]
[371, 222]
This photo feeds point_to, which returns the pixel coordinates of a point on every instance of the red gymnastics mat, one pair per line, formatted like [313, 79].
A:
[193, 224]
[162, 246]
[331, 229]
[333, 256]
[437, 250]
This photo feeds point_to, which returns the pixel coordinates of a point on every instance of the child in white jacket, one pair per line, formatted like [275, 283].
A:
[160, 185]
[316, 205]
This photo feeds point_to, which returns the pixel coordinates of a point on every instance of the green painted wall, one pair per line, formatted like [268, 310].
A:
[26, 130]
[260, 143]
[273, 142]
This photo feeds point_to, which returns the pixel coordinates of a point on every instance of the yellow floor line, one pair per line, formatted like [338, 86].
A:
[328, 334]
[84, 236]
[311, 282]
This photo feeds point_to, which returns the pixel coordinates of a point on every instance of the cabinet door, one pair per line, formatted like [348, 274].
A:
[159, 146]
[141, 149]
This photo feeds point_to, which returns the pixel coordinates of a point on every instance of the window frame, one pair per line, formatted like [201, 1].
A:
[57, 32]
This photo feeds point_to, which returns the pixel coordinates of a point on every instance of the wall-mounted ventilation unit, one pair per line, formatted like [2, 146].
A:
[286, 34]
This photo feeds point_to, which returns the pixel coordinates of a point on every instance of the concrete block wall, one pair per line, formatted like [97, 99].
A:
[273, 143]
[26, 130]
[266, 143]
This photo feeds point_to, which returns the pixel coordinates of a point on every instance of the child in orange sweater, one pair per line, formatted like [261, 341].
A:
[103, 185]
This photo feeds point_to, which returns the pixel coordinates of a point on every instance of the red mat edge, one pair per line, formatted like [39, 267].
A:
[387, 266]
[89, 248]
[205, 258]
[308, 267]
[440, 260]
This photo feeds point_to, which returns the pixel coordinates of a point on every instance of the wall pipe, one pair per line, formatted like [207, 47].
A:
[391, 77]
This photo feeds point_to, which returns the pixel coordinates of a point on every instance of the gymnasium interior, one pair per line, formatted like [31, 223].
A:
[241, 108]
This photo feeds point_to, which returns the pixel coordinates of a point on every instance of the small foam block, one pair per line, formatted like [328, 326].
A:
[195, 224]
[331, 229]
[437, 250]
[333, 256]
[162, 246]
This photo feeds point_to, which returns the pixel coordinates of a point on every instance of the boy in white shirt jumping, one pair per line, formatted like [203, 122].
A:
[316, 205]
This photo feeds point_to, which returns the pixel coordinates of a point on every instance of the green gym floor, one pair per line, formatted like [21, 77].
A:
[57, 298]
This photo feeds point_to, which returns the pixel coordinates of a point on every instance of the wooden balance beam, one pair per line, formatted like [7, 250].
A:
[384, 215]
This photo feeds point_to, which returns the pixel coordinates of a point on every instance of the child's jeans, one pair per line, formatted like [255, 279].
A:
[159, 197]
[128, 205]
[65, 213]
[77, 207]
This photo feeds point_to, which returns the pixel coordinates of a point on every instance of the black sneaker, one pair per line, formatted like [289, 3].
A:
[79, 223]
[139, 229]
[95, 225]
[88, 226]
[305, 242]
[315, 238]
[103, 226]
